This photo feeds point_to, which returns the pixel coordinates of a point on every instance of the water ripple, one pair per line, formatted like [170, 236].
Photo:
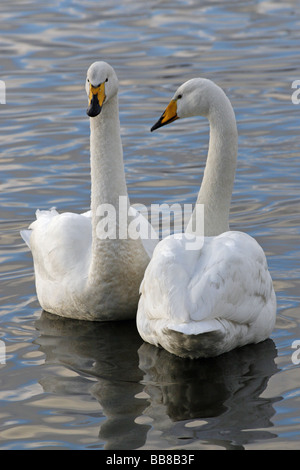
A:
[71, 386]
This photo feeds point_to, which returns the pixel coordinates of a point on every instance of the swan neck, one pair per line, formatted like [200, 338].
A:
[107, 166]
[107, 181]
[218, 179]
[113, 253]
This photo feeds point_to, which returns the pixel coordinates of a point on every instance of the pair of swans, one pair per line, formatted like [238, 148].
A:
[193, 303]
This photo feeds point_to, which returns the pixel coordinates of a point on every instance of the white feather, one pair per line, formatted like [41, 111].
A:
[207, 301]
[78, 273]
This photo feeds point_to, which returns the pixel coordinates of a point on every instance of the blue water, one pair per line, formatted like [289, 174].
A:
[71, 385]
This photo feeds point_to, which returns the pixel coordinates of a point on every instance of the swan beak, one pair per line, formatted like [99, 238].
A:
[96, 100]
[169, 115]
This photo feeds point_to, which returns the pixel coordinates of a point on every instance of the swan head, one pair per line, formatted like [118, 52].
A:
[194, 98]
[101, 84]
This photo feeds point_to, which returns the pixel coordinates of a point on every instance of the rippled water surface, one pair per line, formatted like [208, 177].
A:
[71, 385]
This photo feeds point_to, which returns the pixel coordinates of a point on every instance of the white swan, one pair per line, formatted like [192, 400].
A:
[201, 303]
[79, 273]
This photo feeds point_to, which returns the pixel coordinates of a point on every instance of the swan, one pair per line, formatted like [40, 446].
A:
[81, 271]
[207, 301]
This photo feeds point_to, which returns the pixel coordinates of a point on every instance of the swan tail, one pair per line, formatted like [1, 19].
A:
[25, 234]
[191, 346]
[206, 338]
[40, 214]
[197, 327]
[48, 213]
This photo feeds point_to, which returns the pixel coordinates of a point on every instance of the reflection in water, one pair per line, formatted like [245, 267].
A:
[222, 395]
[249, 48]
[138, 386]
[108, 353]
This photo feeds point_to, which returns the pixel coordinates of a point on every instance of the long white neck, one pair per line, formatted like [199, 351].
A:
[107, 172]
[107, 167]
[217, 184]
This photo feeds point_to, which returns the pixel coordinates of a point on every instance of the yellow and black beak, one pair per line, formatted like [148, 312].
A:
[169, 115]
[96, 99]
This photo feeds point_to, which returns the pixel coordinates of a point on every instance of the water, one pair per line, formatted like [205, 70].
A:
[70, 385]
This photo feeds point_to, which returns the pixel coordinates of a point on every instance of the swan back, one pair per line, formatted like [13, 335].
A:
[210, 300]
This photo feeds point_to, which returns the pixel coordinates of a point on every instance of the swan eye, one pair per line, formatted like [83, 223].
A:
[179, 97]
[88, 80]
[106, 80]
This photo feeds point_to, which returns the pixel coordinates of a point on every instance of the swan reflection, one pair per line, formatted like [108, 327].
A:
[213, 401]
[142, 389]
[104, 360]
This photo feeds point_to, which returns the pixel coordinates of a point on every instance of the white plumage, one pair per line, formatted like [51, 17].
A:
[78, 273]
[204, 302]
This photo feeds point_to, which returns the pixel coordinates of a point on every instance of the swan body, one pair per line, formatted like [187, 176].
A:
[80, 272]
[207, 301]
